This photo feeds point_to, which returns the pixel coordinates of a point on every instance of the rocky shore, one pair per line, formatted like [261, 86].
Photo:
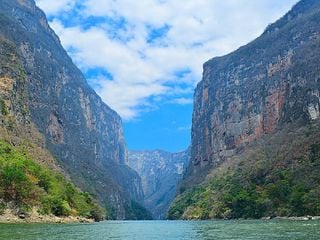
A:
[34, 217]
[303, 218]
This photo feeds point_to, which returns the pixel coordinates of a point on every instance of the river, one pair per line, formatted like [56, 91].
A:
[166, 230]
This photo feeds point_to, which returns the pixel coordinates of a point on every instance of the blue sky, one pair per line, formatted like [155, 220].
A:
[144, 58]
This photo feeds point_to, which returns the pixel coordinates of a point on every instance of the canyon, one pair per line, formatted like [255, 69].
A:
[160, 173]
[254, 138]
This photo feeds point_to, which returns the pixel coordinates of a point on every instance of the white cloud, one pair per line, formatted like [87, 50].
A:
[55, 6]
[129, 99]
[182, 101]
[144, 71]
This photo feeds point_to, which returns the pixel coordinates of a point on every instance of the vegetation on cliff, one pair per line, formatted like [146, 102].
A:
[255, 133]
[83, 134]
[278, 175]
[29, 176]
[25, 184]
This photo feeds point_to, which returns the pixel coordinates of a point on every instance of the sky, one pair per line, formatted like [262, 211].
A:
[144, 58]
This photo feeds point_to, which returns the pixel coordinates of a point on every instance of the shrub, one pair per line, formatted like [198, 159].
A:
[29, 184]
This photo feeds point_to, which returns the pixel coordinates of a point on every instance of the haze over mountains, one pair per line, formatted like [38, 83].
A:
[160, 173]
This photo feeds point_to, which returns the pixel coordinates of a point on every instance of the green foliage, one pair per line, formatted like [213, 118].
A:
[188, 198]
[255, 189]
[2, 207]
[138, 212]
[3, 108]
[27, 185]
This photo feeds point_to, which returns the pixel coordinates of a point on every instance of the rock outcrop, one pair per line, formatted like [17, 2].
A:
[81, 131]
[160, 173]
[257, 90]
[255, 132]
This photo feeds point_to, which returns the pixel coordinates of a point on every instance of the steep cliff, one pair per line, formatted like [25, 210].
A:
[256, 90]
[160, 173]
[83, 133]
[255, 93]
[31, 183]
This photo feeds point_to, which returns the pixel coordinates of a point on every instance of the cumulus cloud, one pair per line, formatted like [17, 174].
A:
[153, 50]
[55, 6]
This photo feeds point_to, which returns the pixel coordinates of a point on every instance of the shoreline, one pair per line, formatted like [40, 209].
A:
[294, 218]
[303, 218]
[34, 218]
[9, 218]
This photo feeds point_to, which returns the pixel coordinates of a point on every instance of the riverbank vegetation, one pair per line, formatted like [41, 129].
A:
[278, 176]
[25, 185]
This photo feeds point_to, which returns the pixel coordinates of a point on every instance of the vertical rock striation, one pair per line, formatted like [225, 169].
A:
[255, 132]
[255, 91]
[82, 132]
[160, 173]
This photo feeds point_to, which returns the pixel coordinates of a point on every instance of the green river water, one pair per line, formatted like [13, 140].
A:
[163, 230]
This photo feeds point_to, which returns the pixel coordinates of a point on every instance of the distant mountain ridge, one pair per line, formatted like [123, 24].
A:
[160, 173]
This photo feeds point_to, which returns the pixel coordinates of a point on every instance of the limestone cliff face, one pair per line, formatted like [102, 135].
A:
[271, 82]
[82, 132]
[160, 173]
